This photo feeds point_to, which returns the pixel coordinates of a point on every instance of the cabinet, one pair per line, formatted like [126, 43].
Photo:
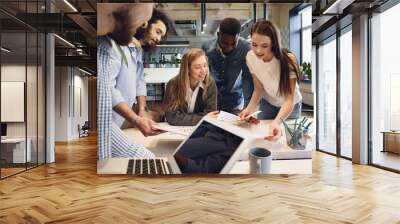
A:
[13, 150]
[391, 141]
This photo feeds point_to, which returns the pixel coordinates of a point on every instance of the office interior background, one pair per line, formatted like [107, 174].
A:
[48, 76]
[48, 83]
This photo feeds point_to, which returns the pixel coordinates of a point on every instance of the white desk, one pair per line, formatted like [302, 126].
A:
[285, 160]
[165, 144]
[297, 166]
[16, 146]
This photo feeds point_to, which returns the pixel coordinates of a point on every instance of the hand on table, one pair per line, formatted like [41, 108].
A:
[244, 115]
[275, 132]
[147, 126]
[213, 114]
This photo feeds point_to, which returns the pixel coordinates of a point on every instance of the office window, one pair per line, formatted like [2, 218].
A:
[346, 94]
[306, 39]
[385, 88]
[300, 32]
[327, 96]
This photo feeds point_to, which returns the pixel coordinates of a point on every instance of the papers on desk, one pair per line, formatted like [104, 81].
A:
[180, 130]
[225, 116]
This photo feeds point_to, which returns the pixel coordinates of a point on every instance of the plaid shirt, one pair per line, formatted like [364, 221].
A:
[128, 78]
[112, 142]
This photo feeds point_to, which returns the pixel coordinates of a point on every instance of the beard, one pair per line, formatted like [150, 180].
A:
[121, 37]
[124, 31]
[141, 34]
[148, 48]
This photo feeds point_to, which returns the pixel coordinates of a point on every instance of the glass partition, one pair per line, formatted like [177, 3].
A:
[327, 95]
[346, 93]
[22, 89]
[14, 154]
[32, 98]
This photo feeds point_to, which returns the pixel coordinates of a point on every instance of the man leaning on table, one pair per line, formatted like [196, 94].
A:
[121, 23]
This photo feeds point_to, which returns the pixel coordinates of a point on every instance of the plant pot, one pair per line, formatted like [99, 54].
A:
[295, 140]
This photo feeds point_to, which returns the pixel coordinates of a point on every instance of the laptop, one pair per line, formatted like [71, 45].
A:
[213, 147]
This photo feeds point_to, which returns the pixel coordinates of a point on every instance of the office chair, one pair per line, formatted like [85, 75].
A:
[84, 130]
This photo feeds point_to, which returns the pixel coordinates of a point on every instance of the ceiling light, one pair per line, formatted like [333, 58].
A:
[337, 7]
[5, 50]
[84, 71]
[65, 41]
[70, 5]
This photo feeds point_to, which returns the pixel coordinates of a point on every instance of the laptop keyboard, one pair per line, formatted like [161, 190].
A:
[145, 166]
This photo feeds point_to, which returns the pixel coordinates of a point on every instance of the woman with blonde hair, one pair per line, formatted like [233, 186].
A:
[192, 93]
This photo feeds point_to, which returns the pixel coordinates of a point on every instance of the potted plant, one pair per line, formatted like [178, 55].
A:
[296, 133]
[152, 63]
[305, 71]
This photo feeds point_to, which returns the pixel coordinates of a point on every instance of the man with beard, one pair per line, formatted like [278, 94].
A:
[145, 39]
[117, 65]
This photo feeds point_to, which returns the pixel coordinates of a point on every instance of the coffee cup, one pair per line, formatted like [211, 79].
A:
[260, 161]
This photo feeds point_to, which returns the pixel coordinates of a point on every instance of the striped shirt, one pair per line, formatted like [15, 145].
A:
[112, 142]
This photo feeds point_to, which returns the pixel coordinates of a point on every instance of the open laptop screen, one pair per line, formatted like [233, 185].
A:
[207, 150]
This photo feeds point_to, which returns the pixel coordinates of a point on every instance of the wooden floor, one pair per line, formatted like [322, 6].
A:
[10, 171]
[69, 191]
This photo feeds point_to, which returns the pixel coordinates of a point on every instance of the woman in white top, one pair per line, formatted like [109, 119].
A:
[192, 93]
[275, 74]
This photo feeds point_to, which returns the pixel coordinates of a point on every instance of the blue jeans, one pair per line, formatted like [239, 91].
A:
[269, 111]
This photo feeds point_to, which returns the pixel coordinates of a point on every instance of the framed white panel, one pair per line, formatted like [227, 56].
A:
[12, 101]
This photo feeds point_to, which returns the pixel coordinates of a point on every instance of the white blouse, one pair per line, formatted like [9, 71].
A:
[191, 96]
[269, 75]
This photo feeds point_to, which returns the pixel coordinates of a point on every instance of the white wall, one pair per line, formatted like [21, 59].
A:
[79, 117]
[16, 73]
[71, 87]
[61, 104]
[12, 73]
[279, 15]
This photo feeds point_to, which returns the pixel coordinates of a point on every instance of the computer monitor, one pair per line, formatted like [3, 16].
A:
[3, 129]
